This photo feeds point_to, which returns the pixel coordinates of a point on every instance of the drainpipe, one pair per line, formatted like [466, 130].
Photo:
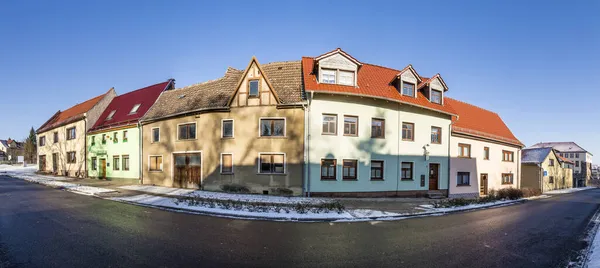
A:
[449, 155]
[307, 142]
[141, 153]
[85, 168]
[398, 163]
[518, 166]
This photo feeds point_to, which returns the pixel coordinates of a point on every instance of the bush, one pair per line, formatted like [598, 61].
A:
[528, 192]
[235, 188]
[510, 193]
[282, 191]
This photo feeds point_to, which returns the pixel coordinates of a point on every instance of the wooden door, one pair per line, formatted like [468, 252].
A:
[434, 171]
[187, 169]
[42, 163]
[102, 173]
[483, 184]
[54, 162]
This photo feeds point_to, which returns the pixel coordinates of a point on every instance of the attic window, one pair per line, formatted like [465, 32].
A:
[253, 84]
[436, 96]
[408, 89]
[135, 108]
[346, 78]
[111, 114]
[328, 76]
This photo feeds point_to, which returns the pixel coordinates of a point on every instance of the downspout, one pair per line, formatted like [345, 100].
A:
[307, 142]
[449, 155]
[141, 153]
[398, 163]
[85, 156]
[518, 167]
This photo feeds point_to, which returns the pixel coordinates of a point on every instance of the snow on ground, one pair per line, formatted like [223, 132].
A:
[57, 182]
[18, 168]
[569, 190]
[225, 196]
[593, 258]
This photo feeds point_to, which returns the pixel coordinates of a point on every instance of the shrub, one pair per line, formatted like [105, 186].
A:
[529, 192]
[510, 193]
[282, 191]
[235, 188]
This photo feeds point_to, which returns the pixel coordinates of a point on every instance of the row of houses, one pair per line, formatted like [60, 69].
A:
[329, 125]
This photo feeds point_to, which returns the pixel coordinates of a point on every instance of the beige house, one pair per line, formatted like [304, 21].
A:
[61, 140]
[545, 169]
[245, 129]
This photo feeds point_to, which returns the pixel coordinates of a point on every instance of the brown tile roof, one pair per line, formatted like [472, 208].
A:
[72, 114]
[473, 120]
[373, 81]
[564, 159]
[286, 78]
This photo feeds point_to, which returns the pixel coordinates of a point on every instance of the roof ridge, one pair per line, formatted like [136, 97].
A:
[365, 63]
[466, 103]
[286, 61]
[125, 94]
[201, 83]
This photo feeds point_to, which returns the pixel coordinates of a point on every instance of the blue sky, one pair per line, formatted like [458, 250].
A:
[536, 63]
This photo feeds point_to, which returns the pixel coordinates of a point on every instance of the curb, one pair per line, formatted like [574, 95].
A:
[593, 233]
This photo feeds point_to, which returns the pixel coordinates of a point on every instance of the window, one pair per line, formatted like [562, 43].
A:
[111, 114]
[551, 179]
[436, 135]
[486, 153]
[226, 163]
[463, 178]
[346, 78]
[272, 164]
[576, 163]
[125, 136]
[377, 128]
[350, 125]
[116, 162]
[464, 150]
[376, 170]
[156, 134]
[126, 162]
[407, 171]
[551, 162]
[328, 76]
[71, 133]
[227, 128]
[408, 89]
[408, 131]
[55, 137]
[576, 155]
[135, 108]
[507, 156]
[115, 137]
[71, 158]
[507, 178]
[349, 169]
[561, 154]
[328, 169]
[329, 124]
[436, 96]
[93, 140]
[103, 138]
[156, 163]
[571, 155]
[42, 141]
[94, 164]
[253, 88]
[187, 131]
[272, 127]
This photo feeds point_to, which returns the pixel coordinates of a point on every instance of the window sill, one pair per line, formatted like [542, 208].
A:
[463, 185]
[436, 143]
[377, 137]
[329, 134]
[227, 138]
[465, 157]
[507, 183]
[328, 179]
[272, 137]
[407, 180]
[344, 179]
[186, 140]
[407, 140]
[226, 173]
[350, 135]
[155, 171]
[372, 179]
[273, 174]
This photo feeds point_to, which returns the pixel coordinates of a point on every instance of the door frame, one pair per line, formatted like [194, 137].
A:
[487, 183]
[54, 162]
[172, 165]
[101, 167]
[439, 168]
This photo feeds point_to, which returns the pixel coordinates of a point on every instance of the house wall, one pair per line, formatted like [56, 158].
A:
[245, 147]
[530, 176]
[476, 165]
[62, 147]
[95, 112]
[107, 151]
[562, 177]
[391, 149]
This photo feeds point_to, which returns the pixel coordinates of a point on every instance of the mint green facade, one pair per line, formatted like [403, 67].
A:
[111, 149]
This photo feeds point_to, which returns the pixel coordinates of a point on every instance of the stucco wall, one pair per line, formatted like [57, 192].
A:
[476, 165]
[62, 147]
[245, 147]
[391, 149]
[531, 175]
[93, 114]
[106, 151]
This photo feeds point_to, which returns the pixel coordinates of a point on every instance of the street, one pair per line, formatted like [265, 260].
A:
[44, 227]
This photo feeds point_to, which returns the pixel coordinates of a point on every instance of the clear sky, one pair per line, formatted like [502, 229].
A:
[536, 63]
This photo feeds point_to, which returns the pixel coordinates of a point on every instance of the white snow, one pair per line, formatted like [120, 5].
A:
[57, 182]
[593, 258]
[569, 190]
[476, 206]
[225, 196]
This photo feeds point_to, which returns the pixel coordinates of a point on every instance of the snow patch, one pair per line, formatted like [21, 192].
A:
[569, 190]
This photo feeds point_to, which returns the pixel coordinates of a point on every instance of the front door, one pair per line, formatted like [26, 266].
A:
[54, 162]
[42, 160]
[434, 171]
[102, 173]
[187, 170]
[483, 184]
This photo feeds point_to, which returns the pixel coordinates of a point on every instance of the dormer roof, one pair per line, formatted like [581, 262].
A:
[338, 51]
[426, 81]
[408, 68]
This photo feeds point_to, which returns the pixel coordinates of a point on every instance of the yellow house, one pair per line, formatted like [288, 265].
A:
[545, 169]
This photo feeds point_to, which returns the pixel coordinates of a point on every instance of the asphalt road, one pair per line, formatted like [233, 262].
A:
[44, 227]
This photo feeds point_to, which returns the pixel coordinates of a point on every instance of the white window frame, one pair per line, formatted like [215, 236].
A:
[152, 135]
[136, 107]
[414, 89]
[111, 115]
[232, 128]
[284, 127]
[162, 167]
[270, 153]
[338, 76]
[335, 78]
[187, 123]
[221, 161]
[335, 128]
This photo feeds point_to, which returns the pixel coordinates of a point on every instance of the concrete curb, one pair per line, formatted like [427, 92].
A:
[592, 234]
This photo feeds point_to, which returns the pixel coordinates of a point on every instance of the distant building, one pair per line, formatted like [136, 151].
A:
[545, 170]
[11, 150]
[595, 172]
[582, 171]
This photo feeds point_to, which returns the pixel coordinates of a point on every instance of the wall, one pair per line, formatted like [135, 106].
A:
[391, 149]
[95, 112]
[476, 166]
[106, 151]
[245, 147]
[562, 177]
[62, 147]
[530, 175]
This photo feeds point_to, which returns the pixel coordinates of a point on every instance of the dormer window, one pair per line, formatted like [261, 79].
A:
[408, 89]
[111, 114]
[436, 96]
[253, 84]
[328, 76]
[346, 78]
[135, 108]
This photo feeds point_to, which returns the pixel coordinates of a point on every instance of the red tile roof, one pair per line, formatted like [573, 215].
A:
[372, 81]
[564, 159]
[72, 114]
[476, 121]
[124, 103]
